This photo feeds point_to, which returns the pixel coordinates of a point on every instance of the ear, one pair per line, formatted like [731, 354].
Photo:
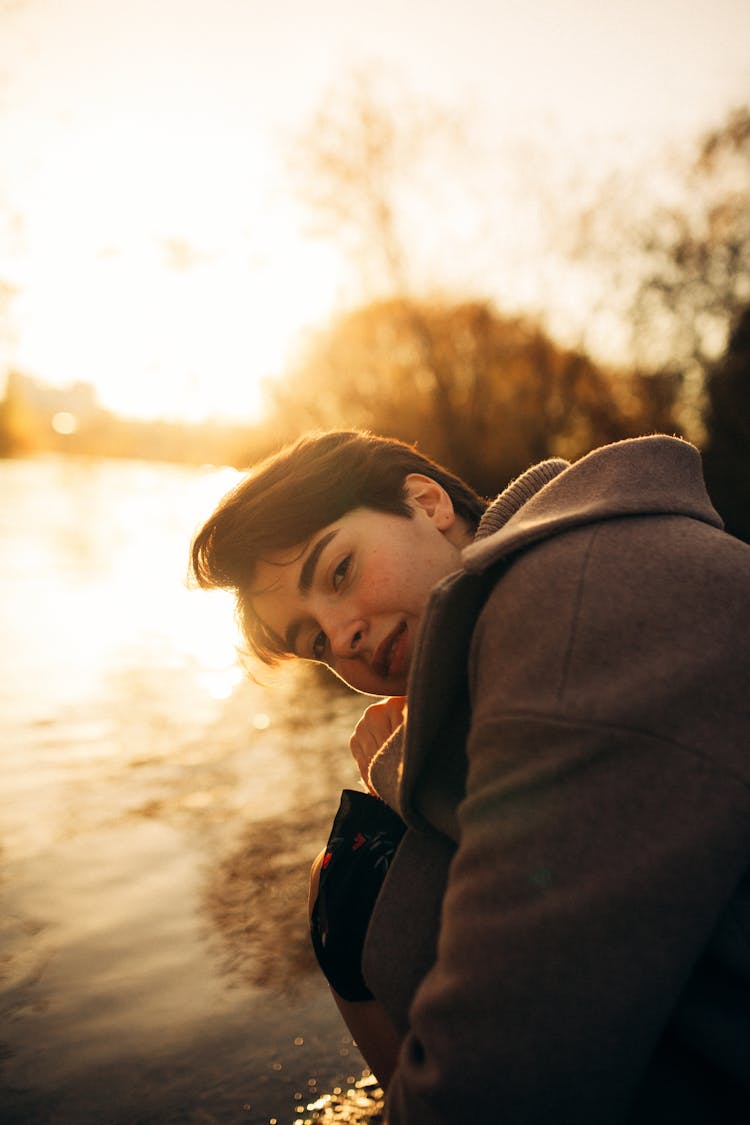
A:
[426, 494]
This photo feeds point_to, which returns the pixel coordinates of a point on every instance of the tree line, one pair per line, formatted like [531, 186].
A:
[489, 394]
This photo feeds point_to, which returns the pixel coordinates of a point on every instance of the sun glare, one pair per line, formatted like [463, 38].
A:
[176, 298]
[160, 255]
[64, 422]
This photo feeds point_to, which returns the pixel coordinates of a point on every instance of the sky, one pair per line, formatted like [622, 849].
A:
[150, 231]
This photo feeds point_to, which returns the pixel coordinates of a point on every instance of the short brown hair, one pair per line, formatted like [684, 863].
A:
[286, 499]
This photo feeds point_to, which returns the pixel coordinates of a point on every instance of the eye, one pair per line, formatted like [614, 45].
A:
[340, 572]
[318, 648]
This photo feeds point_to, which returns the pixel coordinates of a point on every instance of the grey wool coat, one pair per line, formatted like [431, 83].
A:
[564, 933]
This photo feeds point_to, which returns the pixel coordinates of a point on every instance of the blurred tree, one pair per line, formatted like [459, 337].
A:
[695, 296]
[677, 259]
[363, 164]
[696, 279]
[484, 394]
[7, 331]
[20, 426]
[726, 454]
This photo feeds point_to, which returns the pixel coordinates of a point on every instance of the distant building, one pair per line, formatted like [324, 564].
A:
[78, 399]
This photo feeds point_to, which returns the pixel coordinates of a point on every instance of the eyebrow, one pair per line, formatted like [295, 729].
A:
[305, 581]
[307, 573]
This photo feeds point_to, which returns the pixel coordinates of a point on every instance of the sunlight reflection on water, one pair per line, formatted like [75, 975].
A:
[144, 783]
[95, 556]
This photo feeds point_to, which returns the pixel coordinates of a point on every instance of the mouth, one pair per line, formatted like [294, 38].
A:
[390, 655]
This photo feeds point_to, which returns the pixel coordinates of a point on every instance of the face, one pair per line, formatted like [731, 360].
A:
[353, 596]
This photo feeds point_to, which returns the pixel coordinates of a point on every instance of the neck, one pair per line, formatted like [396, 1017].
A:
[460, 534]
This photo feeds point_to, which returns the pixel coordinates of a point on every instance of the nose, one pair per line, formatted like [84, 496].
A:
[346, 637]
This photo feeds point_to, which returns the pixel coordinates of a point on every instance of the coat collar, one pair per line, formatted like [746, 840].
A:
[653, 475]
[640, 476]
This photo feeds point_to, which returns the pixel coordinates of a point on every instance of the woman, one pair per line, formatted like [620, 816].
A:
[554, 936]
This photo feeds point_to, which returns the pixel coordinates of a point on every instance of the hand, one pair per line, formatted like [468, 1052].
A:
[375, 727]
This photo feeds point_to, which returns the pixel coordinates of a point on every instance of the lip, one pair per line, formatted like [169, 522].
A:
[391, 654]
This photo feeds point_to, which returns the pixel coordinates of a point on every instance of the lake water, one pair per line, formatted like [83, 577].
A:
[158, 814]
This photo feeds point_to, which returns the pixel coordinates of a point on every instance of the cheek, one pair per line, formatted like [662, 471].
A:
[394, 585]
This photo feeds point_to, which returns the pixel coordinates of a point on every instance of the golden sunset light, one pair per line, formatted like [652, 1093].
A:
[154, 240]
[161, 276]
[435, 252]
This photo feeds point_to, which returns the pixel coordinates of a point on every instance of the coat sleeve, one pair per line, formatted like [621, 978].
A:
[600, 836]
